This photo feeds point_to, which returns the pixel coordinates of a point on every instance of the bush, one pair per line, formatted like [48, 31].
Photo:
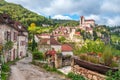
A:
[75, 76]
[48, 68]
[89, 58]
[113, 75]
[83, 57]
[114, 64]
[4, 76]
[37, 55]
[107, 55]
[93, 59]
[5, 68]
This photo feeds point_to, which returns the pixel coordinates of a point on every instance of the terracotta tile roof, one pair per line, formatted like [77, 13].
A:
[5, 18]
[49, 41]
[66, 47]
[82, 16]
[90, 20]
[44, 41]
[5, 15]
[51, 52]
[19, 26]
[77, 33]
[54, 42]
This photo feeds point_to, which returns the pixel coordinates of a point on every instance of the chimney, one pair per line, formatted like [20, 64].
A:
[48, 41]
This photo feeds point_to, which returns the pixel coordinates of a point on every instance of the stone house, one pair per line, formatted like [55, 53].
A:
[55, 44]
[22, 39]
[10, 31]
[67, 50]
[46, 44]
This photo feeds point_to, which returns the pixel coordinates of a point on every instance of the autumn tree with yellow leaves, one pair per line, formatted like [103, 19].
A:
[34, 30]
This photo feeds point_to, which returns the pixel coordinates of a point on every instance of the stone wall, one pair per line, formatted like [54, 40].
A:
[91, 75]
[58, 60]
[61, 60]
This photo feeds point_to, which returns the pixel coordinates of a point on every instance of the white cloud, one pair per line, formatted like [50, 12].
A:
[111, 6]
[98, 19]
[115, 21]
[61, 17]
[95, 17]
[102, 11]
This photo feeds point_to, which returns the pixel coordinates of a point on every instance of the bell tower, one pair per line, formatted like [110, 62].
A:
[82, 20]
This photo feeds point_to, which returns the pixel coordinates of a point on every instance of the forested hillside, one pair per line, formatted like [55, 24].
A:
[66, 22]
[17, 12]
[25, 16]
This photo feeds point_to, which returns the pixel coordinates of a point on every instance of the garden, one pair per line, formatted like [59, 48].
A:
[99, 57]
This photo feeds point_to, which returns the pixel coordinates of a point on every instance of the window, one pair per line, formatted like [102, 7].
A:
[7, 35]
[15, 36]
[22, 43]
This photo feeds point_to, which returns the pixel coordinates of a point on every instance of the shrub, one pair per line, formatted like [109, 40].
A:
[107, 56]
[3, 76]
[114, 64]
[113, 75]
[5, 68]
[48, 68]
[83, 56]
[93, 59]
[75, 76]
[37, 55]
[89, 58]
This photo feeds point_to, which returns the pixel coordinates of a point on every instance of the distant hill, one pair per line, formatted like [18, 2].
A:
[17, 12]
[25, 16]
[66, 22]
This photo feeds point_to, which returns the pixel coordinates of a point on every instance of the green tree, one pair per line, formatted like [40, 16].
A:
[34, 30]
[61, 39]
[8, 45]
[95, 35]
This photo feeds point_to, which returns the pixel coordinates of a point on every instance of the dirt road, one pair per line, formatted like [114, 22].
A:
[23, 70]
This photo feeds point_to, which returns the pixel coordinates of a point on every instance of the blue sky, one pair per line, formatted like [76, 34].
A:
[102, 11]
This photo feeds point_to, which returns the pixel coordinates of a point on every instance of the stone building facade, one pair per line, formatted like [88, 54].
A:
[14, 31]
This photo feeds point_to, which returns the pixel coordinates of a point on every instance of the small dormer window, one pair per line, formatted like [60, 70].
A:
[19, 26]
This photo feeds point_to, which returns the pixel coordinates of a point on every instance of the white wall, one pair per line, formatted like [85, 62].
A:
[21, 48]
[56, 47]
[67, 53]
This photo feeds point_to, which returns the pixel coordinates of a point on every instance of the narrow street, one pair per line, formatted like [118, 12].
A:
[24, 70]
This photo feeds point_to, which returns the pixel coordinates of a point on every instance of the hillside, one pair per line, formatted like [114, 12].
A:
[25, 16]
[66, 22]
[17, 12]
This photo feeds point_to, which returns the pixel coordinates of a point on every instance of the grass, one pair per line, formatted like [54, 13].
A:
[50, 69]
[6, 69]
[73, 76]
[113, 75]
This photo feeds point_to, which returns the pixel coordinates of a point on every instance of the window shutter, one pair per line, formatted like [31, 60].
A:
[8, 35]
[5, 35]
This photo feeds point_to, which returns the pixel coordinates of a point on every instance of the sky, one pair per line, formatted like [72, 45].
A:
[104, 12]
